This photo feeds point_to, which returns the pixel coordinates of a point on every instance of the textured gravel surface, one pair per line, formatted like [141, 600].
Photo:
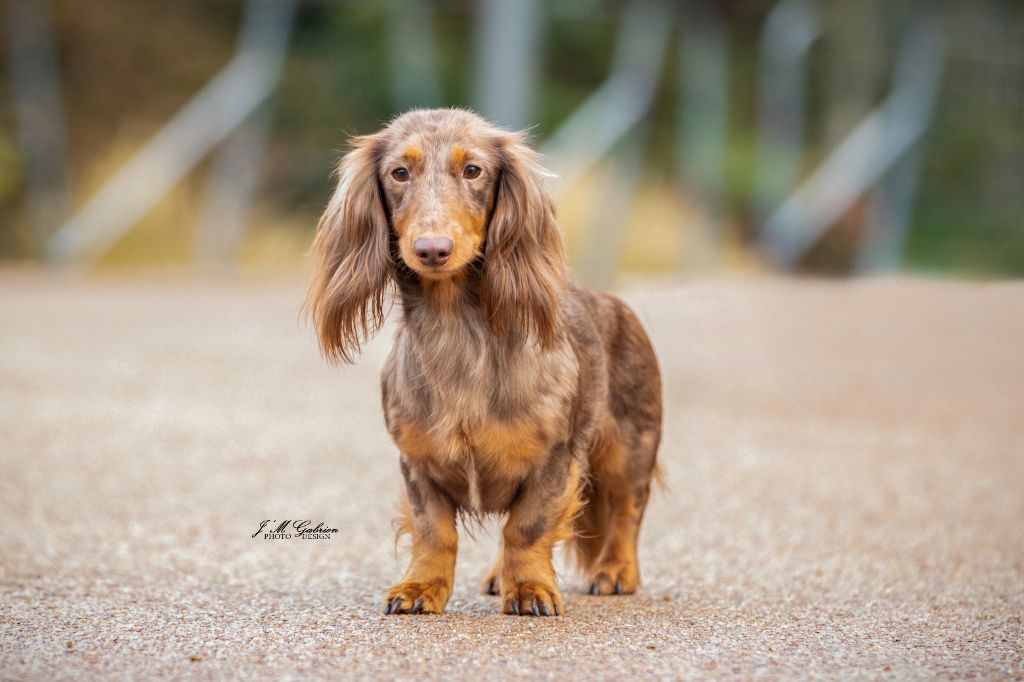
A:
[845, 469]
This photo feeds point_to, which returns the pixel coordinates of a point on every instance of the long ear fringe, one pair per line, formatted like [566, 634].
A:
[352, 259]
[524, 266]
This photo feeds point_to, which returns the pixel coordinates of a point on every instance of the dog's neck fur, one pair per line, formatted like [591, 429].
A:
[446, 346]
[436, 312]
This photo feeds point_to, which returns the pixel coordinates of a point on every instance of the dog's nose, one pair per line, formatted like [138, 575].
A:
[433, 250]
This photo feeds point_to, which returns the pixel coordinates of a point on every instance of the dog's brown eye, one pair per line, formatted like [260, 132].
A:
[471, 171]
[400, 174]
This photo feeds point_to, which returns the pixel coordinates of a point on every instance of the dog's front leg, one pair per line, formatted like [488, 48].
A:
[541, 516]
[429, 516]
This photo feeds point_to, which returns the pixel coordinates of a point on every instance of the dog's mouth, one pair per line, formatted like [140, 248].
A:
[433, 271]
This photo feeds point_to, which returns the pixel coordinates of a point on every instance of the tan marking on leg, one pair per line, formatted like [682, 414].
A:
[617, 570]
[427, 583]
[610, 523]
[607, 475]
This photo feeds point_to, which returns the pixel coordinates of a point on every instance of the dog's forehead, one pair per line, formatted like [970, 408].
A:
[440, 132]
[440, 144]
[439, 121]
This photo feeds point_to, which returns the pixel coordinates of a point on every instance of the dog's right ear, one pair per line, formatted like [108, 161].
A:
[352, 258]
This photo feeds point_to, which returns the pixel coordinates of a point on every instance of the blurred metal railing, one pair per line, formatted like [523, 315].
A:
[506, 54]
[789, 31]
[222, 105]
[620, 102]
[879, 159]
[611, 122]
[874, 148]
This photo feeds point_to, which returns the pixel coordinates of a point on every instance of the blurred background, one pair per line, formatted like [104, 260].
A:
[826, 137]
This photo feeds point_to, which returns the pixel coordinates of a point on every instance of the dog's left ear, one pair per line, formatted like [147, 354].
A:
[524, 261]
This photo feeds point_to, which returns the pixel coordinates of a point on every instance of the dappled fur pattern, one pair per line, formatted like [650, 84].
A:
[510, 389]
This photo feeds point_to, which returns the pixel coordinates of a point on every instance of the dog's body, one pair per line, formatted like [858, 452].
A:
[510, 389]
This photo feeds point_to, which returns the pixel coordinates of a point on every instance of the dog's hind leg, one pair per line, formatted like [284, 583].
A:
[609, 528]
[492, 583]
[623, 460]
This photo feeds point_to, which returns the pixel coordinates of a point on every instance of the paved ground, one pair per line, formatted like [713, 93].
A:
[846, 492]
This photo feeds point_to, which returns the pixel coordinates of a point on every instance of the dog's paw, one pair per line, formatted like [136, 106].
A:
[614, 578]
[491, 584]
[417, 597]
[531, 598]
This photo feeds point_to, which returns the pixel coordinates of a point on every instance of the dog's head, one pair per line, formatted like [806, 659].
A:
[448, 195]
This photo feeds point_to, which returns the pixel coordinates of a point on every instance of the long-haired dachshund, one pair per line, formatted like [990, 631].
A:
[510, 389]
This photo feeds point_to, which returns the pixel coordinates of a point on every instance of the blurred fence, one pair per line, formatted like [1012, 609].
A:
[795, 134]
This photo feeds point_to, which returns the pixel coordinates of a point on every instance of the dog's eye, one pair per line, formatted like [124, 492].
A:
[471, 171]
[400, 174]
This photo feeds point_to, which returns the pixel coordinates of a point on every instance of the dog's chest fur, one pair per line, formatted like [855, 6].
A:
[476, 412]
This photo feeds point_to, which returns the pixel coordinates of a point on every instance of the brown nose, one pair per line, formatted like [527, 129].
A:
[433, 251]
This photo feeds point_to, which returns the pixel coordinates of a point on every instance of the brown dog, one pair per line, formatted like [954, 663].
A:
[510, 389]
